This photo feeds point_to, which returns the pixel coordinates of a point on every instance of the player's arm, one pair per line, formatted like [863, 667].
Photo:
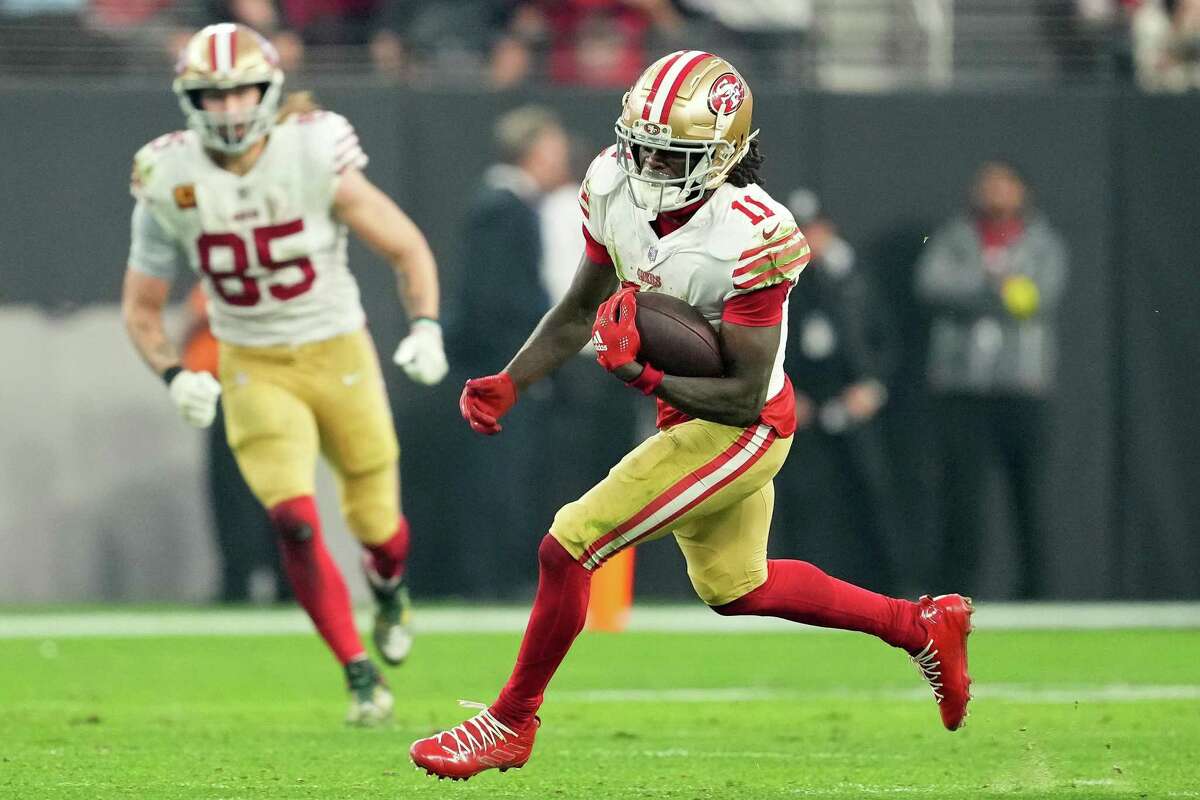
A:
[563, 331]
[736, 398]
[387, 230]
[153, 260]
[566, 327]
[143, 298]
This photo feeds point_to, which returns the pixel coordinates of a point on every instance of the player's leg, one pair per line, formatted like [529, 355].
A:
[726, 554]
[274, 437]
[668, 477]
[359, 439]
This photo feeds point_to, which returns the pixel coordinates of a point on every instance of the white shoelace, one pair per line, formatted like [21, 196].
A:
[479, 732]
[931, 668]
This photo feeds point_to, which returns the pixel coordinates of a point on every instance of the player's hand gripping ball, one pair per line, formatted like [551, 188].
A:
[614, 334]
[485, 400]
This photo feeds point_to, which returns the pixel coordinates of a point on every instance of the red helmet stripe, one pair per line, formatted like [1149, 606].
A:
[658, 79]
[233, 48]
[665, 116]
[212, 51]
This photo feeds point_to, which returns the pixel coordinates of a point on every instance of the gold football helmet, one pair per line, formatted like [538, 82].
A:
[691, 104]
[226, 56]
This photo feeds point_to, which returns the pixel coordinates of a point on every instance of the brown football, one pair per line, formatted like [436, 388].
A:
[676, 338]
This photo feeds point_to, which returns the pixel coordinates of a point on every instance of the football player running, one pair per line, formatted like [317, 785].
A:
[256, 197]
[676, 207]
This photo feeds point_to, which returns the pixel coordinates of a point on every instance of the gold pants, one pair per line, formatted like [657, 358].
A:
[708, 483]
[284, 404]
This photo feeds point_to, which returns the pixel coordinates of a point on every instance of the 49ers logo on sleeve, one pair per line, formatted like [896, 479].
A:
[726, 94]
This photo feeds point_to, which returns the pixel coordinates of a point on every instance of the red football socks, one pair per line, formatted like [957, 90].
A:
[389, 557]
[559, 611]
[315, 578]
[800, 592]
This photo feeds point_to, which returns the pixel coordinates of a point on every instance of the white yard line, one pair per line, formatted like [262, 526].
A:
[1010, 692]
[507, 619]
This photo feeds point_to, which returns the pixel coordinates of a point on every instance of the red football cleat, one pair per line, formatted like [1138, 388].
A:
[943, 661]
[482, 742]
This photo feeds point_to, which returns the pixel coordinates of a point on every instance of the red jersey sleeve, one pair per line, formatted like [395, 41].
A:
[595, 251]
[758, 309]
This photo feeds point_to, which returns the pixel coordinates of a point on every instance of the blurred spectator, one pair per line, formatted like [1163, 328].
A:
[250, 566]
[332, 22]
[992, 281]
[1166, 44]
[444, 42]
[601, 42]
[499, 300]
[835, 493]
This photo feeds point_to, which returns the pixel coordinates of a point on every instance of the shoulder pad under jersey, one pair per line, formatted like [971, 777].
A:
[154, 164]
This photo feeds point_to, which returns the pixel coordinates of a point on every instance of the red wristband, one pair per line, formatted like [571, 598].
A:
[648, 380]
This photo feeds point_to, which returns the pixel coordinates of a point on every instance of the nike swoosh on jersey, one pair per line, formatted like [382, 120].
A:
[767, 234]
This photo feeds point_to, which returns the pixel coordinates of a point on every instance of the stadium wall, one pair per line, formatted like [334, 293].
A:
[1116, 173]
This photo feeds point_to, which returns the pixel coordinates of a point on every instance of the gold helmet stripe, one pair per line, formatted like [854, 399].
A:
[672, 75]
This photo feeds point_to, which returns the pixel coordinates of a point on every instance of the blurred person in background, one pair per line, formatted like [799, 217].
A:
[257, 198]
[601, 42]
[836, 492]
[992, 280]
[502, 283]
[448, 42]
[250, 566]
[1166, 44]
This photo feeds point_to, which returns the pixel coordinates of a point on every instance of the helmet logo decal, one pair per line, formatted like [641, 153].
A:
[726, 94]
[652, 132]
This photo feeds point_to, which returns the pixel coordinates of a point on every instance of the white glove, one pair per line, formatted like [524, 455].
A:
[195, 395]
[421, 354]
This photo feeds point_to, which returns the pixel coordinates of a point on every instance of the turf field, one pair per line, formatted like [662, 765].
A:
[752, 714]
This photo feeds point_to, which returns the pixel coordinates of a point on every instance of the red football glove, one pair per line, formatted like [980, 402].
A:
[614, 334]
[485, 400]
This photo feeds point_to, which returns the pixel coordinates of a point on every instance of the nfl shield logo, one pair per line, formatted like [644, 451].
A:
[652, 254]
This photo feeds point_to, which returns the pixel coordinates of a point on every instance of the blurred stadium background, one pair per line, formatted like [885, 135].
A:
[883, 108]
[117, 678]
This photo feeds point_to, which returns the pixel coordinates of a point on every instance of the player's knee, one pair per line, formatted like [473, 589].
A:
[554, 554]
[372, 522]
[295, 520]
[371, 505]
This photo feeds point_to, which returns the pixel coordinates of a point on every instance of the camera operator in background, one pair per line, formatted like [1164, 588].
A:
[991, 281]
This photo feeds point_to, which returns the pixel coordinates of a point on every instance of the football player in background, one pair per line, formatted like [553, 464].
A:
[256, 196]
[676, 207]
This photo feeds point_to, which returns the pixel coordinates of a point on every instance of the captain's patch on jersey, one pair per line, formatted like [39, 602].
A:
[185, 195]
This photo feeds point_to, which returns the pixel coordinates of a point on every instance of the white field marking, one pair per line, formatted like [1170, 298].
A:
[1008, 692]
[484, 619]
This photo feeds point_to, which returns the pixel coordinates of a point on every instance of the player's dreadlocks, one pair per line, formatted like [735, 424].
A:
[745, 172]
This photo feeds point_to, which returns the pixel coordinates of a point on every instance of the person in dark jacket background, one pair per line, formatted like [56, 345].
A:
[836, 492]
[991, 281]
[499, 299]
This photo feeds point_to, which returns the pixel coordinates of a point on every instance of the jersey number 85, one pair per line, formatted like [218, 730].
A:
[236, 286]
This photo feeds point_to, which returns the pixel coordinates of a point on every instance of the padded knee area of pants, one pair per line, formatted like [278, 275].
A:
[371, 503]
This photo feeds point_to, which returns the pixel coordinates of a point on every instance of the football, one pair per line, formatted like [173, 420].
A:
[676, 338]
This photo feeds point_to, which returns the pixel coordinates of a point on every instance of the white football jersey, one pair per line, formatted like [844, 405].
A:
[739, 241]
[272, 255]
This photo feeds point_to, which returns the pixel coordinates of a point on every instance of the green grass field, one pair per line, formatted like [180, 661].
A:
[1094, 714]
